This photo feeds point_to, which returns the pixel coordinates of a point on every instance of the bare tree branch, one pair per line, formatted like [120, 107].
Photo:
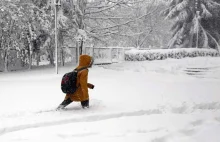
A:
[107, 18]
[104, 9]
[125, 23]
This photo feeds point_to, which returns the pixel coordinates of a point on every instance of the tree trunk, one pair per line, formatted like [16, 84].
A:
[29, 52]
[191, 36]
[62, 57]
[6, 61]
[81, 47]
[50, 51]
[30, 60]
[8, 46]
[22, 58]
[30, 45]
[38, 58]
[81, 7]
[51, 57]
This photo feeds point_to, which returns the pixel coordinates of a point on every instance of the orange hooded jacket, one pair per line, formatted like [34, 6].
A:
[81, 93]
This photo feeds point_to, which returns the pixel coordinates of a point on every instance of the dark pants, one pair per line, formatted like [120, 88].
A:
[66, 102]
[84, 104]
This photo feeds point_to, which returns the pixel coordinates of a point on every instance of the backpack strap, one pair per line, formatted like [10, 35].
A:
[78, 70]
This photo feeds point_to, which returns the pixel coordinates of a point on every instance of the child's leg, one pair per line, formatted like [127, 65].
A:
[64, 103]
[85, 104]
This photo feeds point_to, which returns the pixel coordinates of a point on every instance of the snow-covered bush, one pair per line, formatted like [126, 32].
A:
[161, 54]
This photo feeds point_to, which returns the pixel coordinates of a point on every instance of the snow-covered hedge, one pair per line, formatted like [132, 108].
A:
[161, 54]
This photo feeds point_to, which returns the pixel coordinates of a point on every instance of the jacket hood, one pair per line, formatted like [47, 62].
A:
[85, 60]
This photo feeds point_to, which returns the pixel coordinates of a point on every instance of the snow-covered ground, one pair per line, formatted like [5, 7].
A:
[149, 101]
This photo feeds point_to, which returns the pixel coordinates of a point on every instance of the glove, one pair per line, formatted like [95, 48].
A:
[92, 86]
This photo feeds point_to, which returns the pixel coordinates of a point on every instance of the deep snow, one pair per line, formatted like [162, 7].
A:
[149, 101]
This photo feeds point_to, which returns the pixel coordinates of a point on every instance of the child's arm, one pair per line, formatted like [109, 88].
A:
[83, 84]
[90, 86]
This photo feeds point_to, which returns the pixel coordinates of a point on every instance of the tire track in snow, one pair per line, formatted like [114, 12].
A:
[92, 118]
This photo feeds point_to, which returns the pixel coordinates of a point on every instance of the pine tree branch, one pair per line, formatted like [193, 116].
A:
[217, 44]
[205, 12]
[178, 7]
[205, 44]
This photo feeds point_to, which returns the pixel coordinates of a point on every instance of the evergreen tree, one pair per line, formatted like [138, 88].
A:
[196, 23]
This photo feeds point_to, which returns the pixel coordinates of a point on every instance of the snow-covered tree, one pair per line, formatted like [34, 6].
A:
[7, 22]
[110, 20]
[192, 26]
[22, 23]
[150, 30]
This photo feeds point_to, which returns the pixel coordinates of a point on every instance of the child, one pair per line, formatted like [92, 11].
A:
[81, 94]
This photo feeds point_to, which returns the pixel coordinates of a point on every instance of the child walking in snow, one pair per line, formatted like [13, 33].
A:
[81, 94]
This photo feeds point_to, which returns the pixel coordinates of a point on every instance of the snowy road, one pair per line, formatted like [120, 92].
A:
[153, 101]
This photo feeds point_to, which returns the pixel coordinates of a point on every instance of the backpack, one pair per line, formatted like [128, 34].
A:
[68, 82]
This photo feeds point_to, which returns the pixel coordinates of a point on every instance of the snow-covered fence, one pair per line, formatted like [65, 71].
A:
[105, 55]
[68, 55]
[160, 54]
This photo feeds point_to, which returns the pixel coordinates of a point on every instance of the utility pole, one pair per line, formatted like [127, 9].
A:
[57, 3]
